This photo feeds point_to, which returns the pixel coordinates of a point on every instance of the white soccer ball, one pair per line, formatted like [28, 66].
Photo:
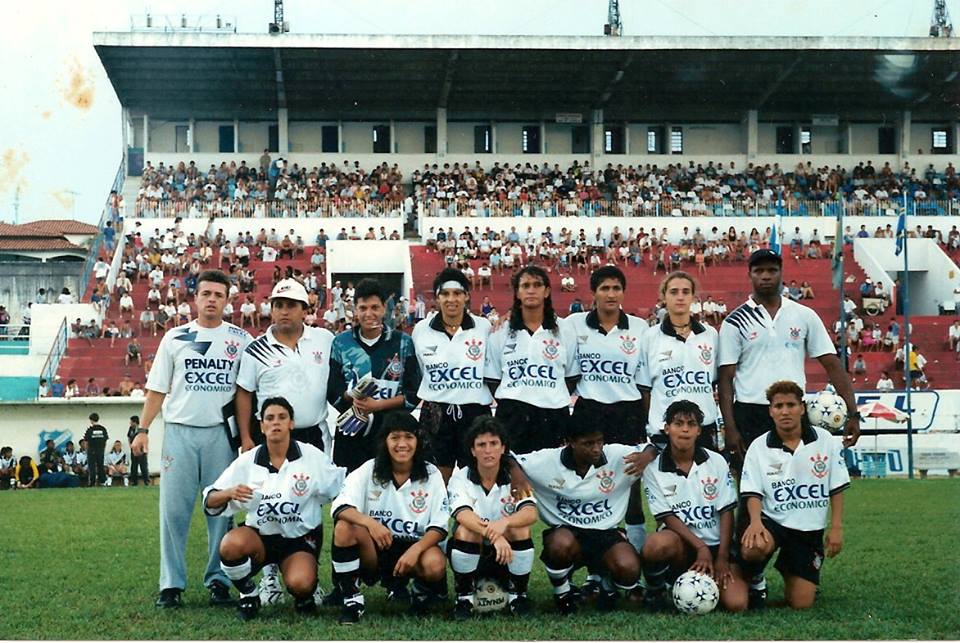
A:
[828, 411]
[695, 593]
[489, 596]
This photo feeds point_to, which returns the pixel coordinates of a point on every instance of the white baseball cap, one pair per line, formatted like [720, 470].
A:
[289, 289]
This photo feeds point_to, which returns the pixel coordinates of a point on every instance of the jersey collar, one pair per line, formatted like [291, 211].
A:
[465, 324]
[667, 328]
[503, 476]
[263, 455]
[566, 459]
[807, 435]
[593, 321]
[667, 465]
[384, 335]
[273, 340]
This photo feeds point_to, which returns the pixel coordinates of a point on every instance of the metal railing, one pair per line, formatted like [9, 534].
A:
[285, 209]
[17, 332]
[679, 208]
[57, 352]
[106, 215]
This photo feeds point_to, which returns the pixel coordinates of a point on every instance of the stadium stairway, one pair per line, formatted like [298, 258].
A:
[729, 283]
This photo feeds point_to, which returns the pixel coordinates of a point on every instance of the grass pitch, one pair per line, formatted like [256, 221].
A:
[83, 564]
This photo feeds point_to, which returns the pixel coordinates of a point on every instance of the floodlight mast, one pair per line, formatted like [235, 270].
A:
[614, 26]
[940, 25]
[278, 26]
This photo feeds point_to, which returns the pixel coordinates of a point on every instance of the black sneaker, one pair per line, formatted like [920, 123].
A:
[607, 600]
[350, 614]
[419, 605]
[398, 593]
[220, 595]
[521, 605]
[169, 598]
[756, 599]
[305, 605]
[636, 595]
[334, 598]
[655, 601]
[463, 610]
[248, 606]
[589, 590]
[566, 603]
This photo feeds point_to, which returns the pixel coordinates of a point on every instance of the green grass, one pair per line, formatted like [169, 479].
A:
[88, 569]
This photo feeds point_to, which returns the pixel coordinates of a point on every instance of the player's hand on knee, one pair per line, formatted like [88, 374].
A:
[406, 562]
[722, 572]
[381, 536]
[755, 536]
[704, 562]
[834, 541]
[504, 551]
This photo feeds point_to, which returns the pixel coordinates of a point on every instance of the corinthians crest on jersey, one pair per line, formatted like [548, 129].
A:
[466, 492]
[452, 367]
[609, 362]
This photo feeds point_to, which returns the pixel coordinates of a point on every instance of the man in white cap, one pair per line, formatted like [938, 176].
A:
[290, 360]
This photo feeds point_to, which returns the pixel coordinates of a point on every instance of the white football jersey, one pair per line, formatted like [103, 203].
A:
[69, 459]
[697, 499]
[196, 368]
[609, 362]
[452, 367]
[795, 486]
[674, 369]
[598, 500]
[532, 367]
[272, 369]
[287, 501]
[767, 350]
[113, 459]
[466, 492]
[408, 512]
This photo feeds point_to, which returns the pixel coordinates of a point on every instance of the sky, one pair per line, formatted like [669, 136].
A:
[60, 132]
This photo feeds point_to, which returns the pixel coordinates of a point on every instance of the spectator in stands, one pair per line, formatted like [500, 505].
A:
[134, 352]
[917, 364]
[72, 390]
[806, 290]
[953, 335]
[183, 313]
[794, 291]
[92, 389]
[8, 467]
[248, 313]
[884, 383]
[891, 341]
[65, 297]
[137, 392]
[57, 389]
[859, 366]
[43, 390]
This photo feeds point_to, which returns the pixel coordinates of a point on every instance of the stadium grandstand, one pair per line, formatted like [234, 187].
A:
[333, 156]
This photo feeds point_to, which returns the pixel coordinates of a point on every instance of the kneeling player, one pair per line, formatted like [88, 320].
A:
[492, 536]
[390, 516]
[690, 492]
[582, 491]
[282, 486]
[792, 478]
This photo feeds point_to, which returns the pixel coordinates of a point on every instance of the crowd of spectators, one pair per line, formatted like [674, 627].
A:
[278, 188]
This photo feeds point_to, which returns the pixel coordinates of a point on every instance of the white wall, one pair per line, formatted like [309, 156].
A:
[371, 257]
[409, 137]
[707, 139]
[254, 136]
[358, 138]
[460, 138]
[305, 136]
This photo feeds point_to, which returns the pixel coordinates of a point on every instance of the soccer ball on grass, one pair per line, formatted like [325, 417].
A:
[695, 593]
[489, 596]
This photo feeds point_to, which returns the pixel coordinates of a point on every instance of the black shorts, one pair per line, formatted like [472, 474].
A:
[594, 543]
[801, 552]
[753, 420]
[386, 561]
[706, 440]
[532, 428]
[279, 548]
[690, 557]
[446, 426]
[621, 422]
[309, 434]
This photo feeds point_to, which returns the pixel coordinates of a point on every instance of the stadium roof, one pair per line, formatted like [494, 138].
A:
[355, 77]
[46, 234]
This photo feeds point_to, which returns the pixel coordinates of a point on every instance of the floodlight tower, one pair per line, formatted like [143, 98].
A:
[278, 25]
[940, 26]
[613, 26]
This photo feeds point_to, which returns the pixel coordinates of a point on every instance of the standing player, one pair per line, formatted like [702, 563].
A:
[388, 357]
[492, 534]
[582, 491]
[793, 477]
[96, 438]
[531, 365]
[691, 494]
[609, 356]
[679, 362]
[282, 486]
[290, 360]
[766, 339]
[193, 377]
[390, 518]
[451, 345]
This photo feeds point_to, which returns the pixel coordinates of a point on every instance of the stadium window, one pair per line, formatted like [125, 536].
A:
[887, 140]
[940, 140]
[806, 138]
[785, 142]
[613, 140]
[381, 139]
[226, 139]
[654, 140]
[580, 139]
[676, 140]
[330, 139]
[530, 139]
[273, 138]
[429, 139]
[482, 139]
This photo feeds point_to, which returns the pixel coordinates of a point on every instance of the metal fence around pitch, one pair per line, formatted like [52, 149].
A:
[285, 209]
